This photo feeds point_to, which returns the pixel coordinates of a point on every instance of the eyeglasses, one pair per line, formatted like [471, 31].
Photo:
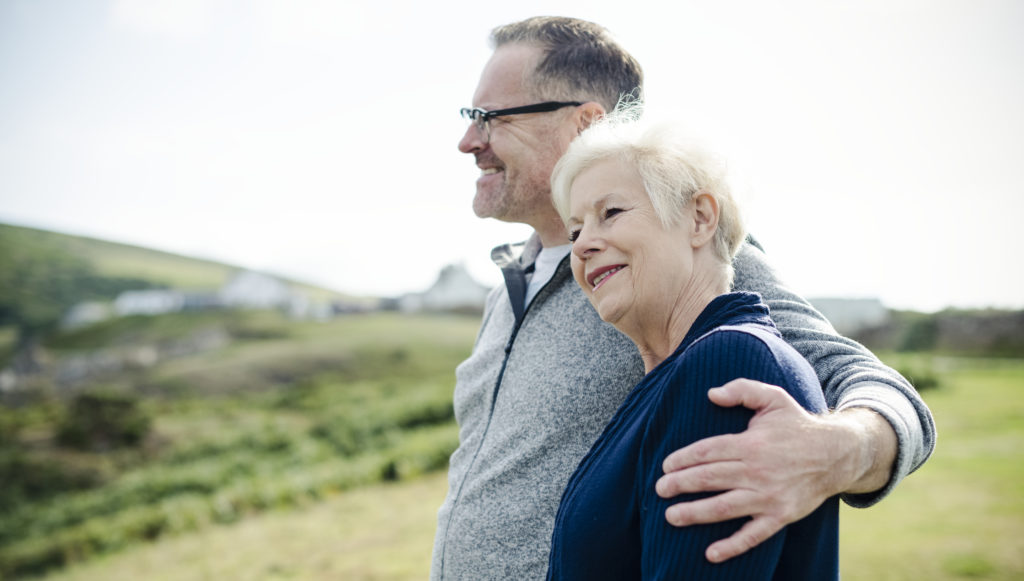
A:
[482, 118]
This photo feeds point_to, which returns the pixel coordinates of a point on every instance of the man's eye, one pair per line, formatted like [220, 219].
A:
[574, 235]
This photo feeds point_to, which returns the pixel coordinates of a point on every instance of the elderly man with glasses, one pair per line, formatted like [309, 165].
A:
[546, 373]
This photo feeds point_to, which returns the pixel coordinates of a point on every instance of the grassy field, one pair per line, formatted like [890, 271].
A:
[962, 515]
[959, 517]
[278, 416]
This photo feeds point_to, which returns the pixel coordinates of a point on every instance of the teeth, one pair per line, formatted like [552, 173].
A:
[489, 171]
[606, 274]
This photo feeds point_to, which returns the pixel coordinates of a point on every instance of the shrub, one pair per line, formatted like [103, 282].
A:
[101, 420]
[28, 478]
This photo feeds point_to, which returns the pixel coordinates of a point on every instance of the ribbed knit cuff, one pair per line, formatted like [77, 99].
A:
[903, 418]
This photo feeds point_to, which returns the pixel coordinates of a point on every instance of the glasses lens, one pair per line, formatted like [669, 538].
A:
[478, 118]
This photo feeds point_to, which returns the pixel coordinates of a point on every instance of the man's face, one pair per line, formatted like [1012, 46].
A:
[516, 164]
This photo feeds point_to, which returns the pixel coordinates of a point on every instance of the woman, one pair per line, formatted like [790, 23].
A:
[654, 230]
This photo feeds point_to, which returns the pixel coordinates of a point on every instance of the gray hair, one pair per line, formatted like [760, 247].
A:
[673, 169]
[581, 60]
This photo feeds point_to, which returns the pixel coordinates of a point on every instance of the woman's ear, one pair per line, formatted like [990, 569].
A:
[587, 114]
[705, 219]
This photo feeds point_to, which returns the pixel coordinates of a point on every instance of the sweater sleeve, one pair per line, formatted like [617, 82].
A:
[685, 415]
[850, 375]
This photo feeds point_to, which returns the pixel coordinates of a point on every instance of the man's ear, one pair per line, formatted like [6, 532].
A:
[587, 114]
[705, 219]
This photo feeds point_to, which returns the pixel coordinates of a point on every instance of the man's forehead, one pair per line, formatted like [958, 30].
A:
[503, 80]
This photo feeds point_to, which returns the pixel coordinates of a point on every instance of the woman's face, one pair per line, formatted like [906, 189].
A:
[631, 267]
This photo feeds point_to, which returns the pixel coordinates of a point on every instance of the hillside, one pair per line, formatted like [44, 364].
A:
[117, 260]
[141, 428]
[43, 273]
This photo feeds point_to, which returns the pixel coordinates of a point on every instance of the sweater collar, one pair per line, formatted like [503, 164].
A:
[517, 255]
[735, 308]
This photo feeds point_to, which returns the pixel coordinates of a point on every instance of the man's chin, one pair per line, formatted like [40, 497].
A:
[485, 206]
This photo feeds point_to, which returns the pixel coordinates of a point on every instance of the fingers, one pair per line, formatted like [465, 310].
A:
[727, 506]
[748, 393]
[718, 508]
[714, 449]
[703, 478]
[750, 535]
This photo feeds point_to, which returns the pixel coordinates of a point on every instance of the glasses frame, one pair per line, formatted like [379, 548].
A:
[482, 118]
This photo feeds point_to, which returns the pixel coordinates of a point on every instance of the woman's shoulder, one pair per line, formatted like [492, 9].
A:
[749, 351]
[726, 342]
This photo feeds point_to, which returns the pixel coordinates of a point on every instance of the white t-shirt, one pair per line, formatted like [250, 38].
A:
[544, 268]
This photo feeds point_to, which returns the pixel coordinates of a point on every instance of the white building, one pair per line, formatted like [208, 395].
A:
[454, 290]
[86, 313]
[851, 315]
[148, 302]
[255, 290]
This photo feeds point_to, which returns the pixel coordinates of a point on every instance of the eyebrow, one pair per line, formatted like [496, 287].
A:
[602, 201]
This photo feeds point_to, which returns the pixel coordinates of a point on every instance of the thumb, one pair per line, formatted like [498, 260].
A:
[748, 393]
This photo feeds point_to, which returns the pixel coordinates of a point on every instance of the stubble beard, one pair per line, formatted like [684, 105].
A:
[511, 202]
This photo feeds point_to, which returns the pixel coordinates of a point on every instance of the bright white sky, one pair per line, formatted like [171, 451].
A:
[881, 143]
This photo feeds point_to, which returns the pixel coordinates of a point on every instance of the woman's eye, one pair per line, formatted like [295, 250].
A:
[574, 235]
[608, 213]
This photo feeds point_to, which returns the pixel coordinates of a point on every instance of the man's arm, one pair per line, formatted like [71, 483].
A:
[781, 468]
[850, 375]
[788, 461]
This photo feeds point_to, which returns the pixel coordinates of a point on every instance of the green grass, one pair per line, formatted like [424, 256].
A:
[114, 259]
[962, 515]
[289, 512]
[285, 415]
[382, 531]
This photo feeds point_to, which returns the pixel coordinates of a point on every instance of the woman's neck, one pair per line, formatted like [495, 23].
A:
[657, 336]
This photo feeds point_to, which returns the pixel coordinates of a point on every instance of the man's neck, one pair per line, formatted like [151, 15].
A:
[551, 233]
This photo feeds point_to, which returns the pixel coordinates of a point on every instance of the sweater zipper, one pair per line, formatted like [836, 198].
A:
[490, 416]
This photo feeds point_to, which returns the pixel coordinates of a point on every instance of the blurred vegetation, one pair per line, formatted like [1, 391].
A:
[973, 332]
[103, 419]
[40, 280]
[959, 517]
[280, 414]
[43, 274]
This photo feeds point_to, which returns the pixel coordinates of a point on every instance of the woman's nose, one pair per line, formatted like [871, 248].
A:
[586, 244]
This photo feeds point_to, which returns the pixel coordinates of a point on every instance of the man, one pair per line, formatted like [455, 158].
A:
[546, 373]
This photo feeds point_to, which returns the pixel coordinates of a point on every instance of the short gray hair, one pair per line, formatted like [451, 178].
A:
[580, 61]
[673, 168]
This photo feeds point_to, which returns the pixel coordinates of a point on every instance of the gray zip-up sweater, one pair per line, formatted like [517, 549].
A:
[542, 383]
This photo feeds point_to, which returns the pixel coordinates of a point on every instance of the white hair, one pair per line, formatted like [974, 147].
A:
[673, 168]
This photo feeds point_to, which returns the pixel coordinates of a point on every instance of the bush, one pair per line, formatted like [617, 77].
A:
[102, 420]
[921, 379]
[25, 478]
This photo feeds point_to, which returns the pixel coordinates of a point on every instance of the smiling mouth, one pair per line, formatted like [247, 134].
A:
[603, 275]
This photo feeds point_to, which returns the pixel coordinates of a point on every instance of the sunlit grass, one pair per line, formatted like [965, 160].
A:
[379, 532]
[960, 517]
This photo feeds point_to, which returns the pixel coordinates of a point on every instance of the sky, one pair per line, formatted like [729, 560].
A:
[878, 146]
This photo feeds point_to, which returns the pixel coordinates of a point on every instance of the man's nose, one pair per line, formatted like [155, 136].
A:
[472, 140]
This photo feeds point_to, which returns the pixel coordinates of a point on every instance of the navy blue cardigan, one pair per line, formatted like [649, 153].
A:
[611, 522]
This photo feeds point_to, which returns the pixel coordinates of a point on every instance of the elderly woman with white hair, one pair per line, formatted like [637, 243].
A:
[654, 229]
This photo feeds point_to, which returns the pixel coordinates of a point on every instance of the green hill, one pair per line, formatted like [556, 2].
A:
[44, 273]
[140, 427]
